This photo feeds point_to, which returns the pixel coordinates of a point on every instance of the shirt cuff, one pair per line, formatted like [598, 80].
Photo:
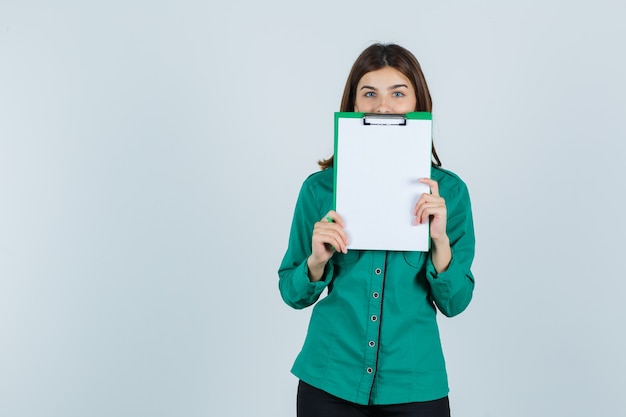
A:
[313, 288]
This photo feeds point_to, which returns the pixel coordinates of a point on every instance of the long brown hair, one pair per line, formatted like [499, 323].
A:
[378, 56]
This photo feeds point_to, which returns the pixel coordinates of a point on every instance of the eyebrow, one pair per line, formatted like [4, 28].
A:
[393, 87]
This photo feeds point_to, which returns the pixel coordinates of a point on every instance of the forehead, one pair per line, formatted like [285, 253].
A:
[384, 76]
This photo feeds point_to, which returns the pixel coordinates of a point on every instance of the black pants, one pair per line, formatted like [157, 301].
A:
[313, 402]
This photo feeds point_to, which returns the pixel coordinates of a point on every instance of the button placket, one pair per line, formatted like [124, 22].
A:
[375, 307]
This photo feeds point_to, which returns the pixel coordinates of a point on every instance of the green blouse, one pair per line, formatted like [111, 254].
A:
[373, 339]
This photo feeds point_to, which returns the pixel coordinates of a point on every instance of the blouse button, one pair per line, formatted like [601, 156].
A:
[370, 370]
[375, 295]
[374, 318]
[378, 271]
[372, 343]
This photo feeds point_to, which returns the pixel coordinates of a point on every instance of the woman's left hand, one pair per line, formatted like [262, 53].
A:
[432, 206]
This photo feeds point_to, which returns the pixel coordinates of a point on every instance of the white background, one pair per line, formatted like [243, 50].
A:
[151, 153]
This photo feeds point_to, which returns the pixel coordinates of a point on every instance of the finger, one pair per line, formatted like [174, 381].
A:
[420, 202]
[430, 206]
[434, 185]
[331, 231]
[333, 217]
[422, 217]
[425, 211]
[334, 240]
[334, 220]
[338, 229]
[340, 246]
[428, 199]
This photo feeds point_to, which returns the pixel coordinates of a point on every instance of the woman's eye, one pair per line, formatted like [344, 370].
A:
[398, 94]
[370, 94]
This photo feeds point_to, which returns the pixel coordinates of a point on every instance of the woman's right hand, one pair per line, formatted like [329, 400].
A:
[328, 237]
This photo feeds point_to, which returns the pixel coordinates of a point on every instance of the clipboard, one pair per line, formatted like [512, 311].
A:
[378, 160]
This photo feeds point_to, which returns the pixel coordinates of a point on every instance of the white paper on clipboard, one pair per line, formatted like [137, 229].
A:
[377, 167]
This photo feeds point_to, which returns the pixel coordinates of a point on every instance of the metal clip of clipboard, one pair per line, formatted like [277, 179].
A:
[373, 119]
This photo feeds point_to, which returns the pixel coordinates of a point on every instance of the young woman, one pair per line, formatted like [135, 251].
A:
[373, 346]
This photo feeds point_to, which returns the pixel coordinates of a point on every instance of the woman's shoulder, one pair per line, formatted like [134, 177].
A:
[318, 186]
[447, 179]
[320, 179]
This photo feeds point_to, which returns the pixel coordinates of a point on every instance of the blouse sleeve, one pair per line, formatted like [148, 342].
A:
[452, 289]
[295, 287]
